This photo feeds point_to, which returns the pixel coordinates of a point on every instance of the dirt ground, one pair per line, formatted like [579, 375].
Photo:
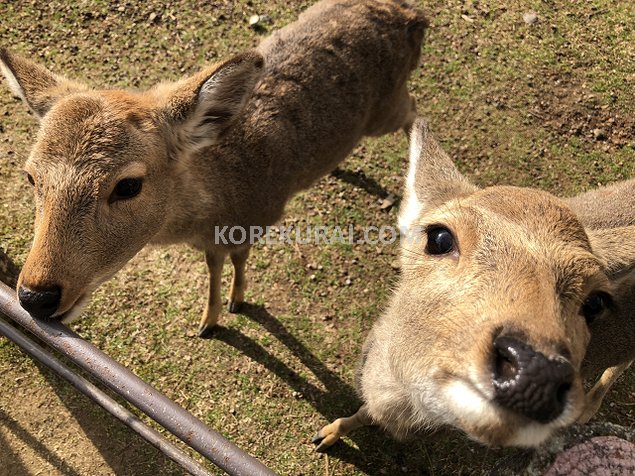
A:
[548, 104]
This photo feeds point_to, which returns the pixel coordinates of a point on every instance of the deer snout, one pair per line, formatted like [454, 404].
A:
[40, 303]
[528, 382]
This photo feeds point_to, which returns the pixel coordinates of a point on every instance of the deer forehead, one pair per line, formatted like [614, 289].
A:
[100, 130]
[538, 212]
[538, 230]
[505, 233]
[510, 216]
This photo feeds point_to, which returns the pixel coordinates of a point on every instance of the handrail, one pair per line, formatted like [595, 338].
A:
[146, 398]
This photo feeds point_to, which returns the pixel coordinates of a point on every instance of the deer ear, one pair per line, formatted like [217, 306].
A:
[203, 106]
[613, 336]
[432, 178]
[616, 248]
[36, 85]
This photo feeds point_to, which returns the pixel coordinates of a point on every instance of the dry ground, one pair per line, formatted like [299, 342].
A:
[549, 104]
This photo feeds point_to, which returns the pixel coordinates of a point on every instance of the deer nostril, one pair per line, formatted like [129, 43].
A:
[505, 367]
[40, 303]
[528, 382]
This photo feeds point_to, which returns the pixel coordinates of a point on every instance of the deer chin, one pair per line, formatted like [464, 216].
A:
[473, 412]
[75, 310]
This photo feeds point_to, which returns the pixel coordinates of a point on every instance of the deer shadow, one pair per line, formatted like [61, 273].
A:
[360, 180]
[123, 450]
[373, 451]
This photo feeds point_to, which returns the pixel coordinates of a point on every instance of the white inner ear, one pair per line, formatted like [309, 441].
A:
[13, 82]
[213, 82]
[197, 133]
[412, 207]
[202, 128]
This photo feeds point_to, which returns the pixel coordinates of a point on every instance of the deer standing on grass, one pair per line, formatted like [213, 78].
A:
[508, 298]
[229, 146]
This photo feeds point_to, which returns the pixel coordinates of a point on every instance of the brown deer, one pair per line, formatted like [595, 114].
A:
[227, 147]
[503, 291]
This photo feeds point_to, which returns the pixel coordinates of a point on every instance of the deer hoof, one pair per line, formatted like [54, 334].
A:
[234, 306]
[323, 440]
[206, 331]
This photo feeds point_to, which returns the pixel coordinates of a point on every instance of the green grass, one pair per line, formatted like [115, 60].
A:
[512, 103]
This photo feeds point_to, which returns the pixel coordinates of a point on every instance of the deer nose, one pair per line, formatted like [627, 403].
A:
[41, 303]
[528, 382]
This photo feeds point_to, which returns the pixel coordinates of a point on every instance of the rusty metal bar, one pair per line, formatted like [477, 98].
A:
[146, 398]
[111, 406]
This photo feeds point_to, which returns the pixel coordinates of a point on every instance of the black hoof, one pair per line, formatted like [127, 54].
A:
[317, 439]
[234, 307]
[322, 449]
[205, 332]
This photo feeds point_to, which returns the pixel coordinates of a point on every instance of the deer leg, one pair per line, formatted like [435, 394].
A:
[331, 433]
[239, 282]
[215, 261]
[600, 389]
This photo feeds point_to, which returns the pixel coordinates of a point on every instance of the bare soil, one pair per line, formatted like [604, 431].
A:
[549, 104]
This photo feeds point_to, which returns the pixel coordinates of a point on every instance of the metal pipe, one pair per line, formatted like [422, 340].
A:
[146, 398]
[111, 406]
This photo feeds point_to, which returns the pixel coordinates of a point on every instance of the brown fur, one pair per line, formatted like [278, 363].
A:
[227, 146]
[609, 215]
[607, 207]
[524, 264]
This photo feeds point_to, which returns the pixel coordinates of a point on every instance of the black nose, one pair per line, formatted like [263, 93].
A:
[528, 382]
[42, 303]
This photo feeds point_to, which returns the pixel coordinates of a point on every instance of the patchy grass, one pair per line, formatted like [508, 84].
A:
[513, 103]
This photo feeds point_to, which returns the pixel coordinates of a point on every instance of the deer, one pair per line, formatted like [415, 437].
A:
[115, 170]
[507, 299]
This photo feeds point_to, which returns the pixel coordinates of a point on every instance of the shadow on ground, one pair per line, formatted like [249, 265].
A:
[362, 181]
[123, 451]
[12, 463]
[373, 451]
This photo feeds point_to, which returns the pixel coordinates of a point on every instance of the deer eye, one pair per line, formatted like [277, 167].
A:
[126, 189]
[29, 177]
[594, 305]
[440, 241]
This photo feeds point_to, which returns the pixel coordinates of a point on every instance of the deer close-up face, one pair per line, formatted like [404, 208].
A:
[103, 174]
[489, 324]
[100, 194]
[490, 319]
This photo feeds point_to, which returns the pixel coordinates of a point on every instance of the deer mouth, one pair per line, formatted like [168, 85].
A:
[482, 419]
[74, 311]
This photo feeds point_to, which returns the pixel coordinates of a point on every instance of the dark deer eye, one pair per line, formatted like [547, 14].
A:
[125, 189]
[594, 305]
[29, 177]
[440, 241]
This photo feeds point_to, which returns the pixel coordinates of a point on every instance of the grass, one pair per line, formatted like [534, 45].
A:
[512, 103]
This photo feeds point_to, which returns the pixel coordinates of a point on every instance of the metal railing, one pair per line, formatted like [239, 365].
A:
[131, 388]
